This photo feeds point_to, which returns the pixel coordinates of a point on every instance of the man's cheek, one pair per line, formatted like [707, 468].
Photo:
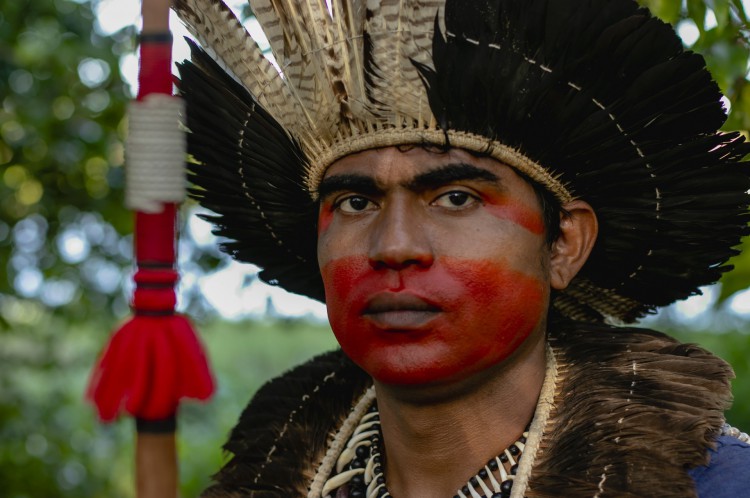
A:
[499, 306]
[489, 310]
[341, 276]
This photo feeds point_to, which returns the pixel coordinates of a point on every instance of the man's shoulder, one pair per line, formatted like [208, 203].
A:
[727, 475]
[636, 388]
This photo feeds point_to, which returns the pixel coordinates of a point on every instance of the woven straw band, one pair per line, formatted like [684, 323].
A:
[582, 294]
[395, 136]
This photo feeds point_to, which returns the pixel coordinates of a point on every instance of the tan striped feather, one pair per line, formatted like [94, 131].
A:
[289, 45]
[395, 26]
[219, 31]
[330, 89]
[350, 18]
[297, 33]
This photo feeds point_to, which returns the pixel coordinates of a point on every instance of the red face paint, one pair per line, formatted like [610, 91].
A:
[515, 211]
[325, 217]
[429, 325]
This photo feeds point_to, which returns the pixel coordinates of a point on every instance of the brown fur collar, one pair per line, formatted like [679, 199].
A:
[633, 410]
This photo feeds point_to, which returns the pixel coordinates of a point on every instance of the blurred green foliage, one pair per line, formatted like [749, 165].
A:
[65, 254]
[61, 156]
[51, 444]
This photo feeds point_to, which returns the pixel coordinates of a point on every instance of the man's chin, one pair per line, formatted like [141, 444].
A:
[424, 390]
[422, 375]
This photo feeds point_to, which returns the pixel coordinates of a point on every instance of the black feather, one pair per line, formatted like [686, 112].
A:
[249, 171]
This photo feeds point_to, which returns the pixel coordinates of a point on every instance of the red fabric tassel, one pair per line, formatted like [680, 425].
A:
[156, 358]
[150, 364]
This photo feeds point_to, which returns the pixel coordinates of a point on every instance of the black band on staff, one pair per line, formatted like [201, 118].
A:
[160, 426]
[156, 37]
[153, 313]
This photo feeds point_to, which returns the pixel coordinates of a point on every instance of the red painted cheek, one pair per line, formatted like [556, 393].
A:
[512, 210]
[325, 216]
[487, 311]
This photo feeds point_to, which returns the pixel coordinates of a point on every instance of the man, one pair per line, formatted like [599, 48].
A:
[475, 189]
[438, 274]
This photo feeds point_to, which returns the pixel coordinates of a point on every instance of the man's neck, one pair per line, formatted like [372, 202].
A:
[435, 440]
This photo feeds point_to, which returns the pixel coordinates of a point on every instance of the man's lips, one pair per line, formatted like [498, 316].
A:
[399, 311]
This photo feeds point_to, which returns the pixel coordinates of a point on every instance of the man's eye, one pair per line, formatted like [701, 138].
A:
[455, 199]
[355, 204]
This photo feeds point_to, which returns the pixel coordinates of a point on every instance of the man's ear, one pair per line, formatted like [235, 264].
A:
[578, 230]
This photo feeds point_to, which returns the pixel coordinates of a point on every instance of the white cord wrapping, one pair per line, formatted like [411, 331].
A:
[155, 153]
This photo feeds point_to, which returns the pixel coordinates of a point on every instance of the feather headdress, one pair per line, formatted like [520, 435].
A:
[592, 99]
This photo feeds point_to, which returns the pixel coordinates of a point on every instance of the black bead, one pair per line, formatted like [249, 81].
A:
[514, 450]
[362, 452]
[497, 495]
[357, 464]
[483, 473]
[522, 439]
[380, 479]
[506, 486]
[514, 469]
[492, 464]
[356, 493]
[376, 459]
[474, 481]
[357, 480]
[465, 490]
[503, 457]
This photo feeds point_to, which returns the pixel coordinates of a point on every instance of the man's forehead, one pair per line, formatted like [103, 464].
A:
[393, 164]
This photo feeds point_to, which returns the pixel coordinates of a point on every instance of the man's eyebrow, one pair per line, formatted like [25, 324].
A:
[450, 173]
[362, 184]
[432, 179]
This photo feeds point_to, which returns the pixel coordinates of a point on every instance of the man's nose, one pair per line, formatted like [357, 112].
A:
[400, 238]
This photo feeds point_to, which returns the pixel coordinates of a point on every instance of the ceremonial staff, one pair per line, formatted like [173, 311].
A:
[155, 359]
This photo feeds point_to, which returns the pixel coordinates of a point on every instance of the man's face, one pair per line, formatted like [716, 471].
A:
[434, 264]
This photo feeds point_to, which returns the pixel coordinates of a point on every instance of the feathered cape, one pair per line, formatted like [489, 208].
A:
[632, 410]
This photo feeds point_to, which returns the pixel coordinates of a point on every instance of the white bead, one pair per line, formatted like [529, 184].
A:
[339, 480]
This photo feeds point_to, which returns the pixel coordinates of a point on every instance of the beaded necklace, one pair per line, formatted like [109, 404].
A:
[359, 467]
